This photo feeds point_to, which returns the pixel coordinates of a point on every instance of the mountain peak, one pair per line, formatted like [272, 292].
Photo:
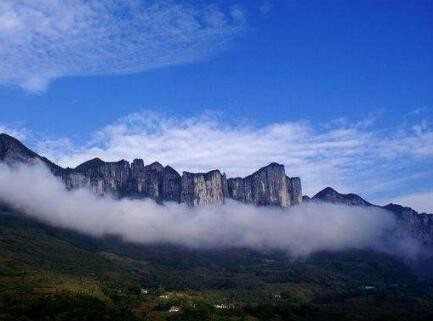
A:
[272, 165]
[5, 136]
[6, 139]
[155, 166]
[327, 190]
[12, 149]
[332, 196]
[94, 162]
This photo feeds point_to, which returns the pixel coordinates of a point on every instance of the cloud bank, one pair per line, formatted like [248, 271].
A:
[48, 39]
[351, 157]
[299, 231]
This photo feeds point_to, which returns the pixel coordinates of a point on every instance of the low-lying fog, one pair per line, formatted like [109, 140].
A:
[299, 230]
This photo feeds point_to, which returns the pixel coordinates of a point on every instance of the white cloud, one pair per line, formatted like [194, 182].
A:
[266, 7]
[299, 230]
[48, 39]
[19, 132]
[352, 157]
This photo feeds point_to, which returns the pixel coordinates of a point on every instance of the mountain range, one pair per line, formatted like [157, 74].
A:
[269, 186]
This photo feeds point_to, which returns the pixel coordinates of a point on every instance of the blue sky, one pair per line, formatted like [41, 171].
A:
[358, 69]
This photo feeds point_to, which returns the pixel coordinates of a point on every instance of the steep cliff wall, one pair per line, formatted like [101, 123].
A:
[417, 225]
[102, 177]
[126, 180]
[269, 186]
[155, 181]
[203, 188]
[295, 186]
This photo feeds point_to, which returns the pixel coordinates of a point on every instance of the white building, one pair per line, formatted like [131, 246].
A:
[174, 309]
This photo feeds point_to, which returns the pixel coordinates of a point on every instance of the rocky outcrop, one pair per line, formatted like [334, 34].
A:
[203, 188]
[295, 190]
[418, 225]
[12, 151]
[155, 181]
[410, 222]
[330, 195]
[269, 186]
[102, 177]
[306, 199]
[126, 180]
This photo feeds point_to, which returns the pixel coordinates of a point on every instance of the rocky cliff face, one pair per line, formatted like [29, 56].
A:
[126, 180]
[203, 188]
[296, 197]
[418, 225]
[269, 186]
[12, 150]
[104, 177]
[155, 181]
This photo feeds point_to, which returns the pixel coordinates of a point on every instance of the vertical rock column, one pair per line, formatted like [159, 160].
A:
[266, 187]
[155, 181]
[102, 177]
[203, 188]
[295, 190]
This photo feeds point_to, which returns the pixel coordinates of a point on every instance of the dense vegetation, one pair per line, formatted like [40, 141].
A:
[49, 273]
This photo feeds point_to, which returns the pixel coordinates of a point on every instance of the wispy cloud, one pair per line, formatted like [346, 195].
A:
[48, 39]
[266, 7]
[17, 132]
[353, 157]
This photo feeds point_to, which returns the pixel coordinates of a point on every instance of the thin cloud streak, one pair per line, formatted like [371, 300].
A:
[48, 39]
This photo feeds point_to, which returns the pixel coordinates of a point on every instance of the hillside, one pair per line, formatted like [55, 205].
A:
[46, 271]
